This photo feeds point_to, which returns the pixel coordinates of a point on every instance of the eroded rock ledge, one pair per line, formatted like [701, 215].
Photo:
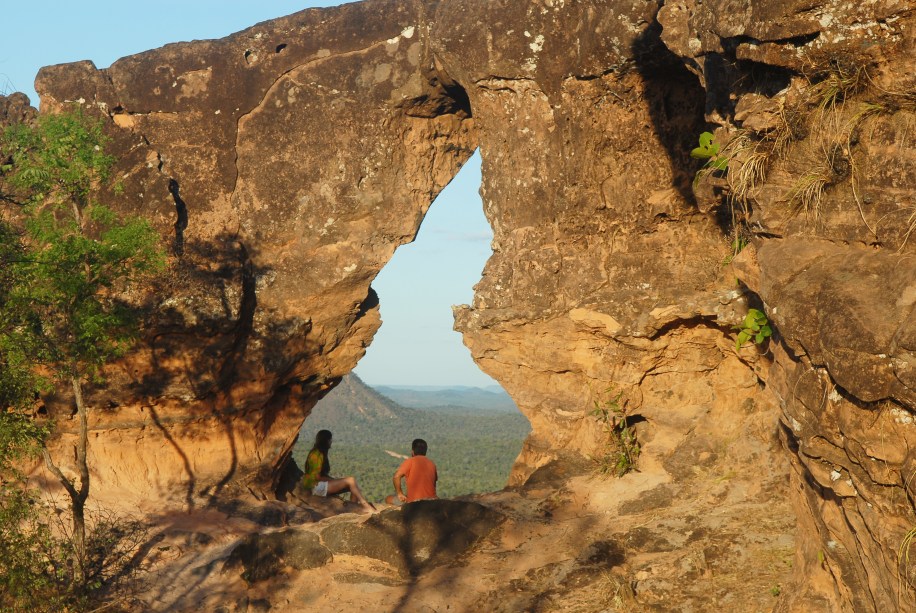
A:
[301, 152]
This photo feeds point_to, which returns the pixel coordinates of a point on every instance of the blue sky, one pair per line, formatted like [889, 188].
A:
[416, 344]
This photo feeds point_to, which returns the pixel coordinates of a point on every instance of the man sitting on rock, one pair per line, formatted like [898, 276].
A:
[421, 476]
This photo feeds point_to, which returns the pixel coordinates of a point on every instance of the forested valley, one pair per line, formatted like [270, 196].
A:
[473, 440]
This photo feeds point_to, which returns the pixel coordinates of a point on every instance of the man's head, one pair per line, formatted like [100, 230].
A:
[418, 446]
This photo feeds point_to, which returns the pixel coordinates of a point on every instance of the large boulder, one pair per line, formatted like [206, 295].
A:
[416, 537]
[283, 165]
[263, 556]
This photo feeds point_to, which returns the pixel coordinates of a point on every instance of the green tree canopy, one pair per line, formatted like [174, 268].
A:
[61, 315]
[67, 264]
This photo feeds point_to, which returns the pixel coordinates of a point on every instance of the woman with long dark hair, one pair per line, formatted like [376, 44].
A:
[318, 477]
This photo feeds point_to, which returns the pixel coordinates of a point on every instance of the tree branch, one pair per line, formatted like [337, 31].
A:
[57, 473]
[11, 200]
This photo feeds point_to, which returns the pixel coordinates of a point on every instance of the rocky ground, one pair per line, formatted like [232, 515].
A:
[689, 533]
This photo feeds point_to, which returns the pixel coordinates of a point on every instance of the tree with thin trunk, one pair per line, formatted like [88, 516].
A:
[69, 262]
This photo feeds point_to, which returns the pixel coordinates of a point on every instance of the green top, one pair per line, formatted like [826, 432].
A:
[313, 465]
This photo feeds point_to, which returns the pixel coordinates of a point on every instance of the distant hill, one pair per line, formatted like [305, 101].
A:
[473, 446]
[353, 399]
[492, 398]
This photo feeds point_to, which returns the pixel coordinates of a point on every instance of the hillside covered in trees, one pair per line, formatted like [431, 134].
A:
[449, 398]
[474, 448]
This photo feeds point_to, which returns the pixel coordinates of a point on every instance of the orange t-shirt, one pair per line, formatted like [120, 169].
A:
[421, 477]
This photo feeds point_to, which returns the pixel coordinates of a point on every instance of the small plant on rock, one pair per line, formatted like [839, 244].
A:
[738, 245]
[709, 151]
[755, 326]
[624, 447]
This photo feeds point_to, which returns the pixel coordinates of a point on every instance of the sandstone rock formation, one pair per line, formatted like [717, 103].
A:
[286, 163]
[242, 153]
[823, 167]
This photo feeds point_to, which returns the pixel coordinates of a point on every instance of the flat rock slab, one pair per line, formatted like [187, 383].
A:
[416, 537]
[261, 556]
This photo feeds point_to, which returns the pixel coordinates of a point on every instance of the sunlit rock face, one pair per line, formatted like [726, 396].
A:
[304, 150]
[832, 262]
[608, 267]
[283, 166]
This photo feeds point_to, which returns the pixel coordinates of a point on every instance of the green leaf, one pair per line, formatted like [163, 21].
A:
[707, 148]
[743, 337]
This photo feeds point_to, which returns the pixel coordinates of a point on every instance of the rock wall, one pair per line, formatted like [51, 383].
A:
[287, 162]
[284, 165]
[818, 107]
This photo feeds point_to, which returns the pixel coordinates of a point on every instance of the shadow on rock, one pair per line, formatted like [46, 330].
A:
[416, 537]
[262, 556]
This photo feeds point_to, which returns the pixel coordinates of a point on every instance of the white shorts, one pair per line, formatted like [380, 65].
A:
[320, 489]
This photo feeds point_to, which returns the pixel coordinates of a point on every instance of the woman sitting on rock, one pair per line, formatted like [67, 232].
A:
[318, 477]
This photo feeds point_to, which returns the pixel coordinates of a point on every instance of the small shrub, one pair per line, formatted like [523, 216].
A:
[755, 326]
[27, 581]
[708, 150]
[41, 569]
[624, 447]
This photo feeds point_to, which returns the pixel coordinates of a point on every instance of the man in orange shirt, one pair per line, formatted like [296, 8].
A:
[421, 476]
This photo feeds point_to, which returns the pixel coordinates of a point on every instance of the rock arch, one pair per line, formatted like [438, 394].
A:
[308, 148]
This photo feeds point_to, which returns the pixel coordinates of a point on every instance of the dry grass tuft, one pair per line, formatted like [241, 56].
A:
[910, 228]
[792, 128]
[750, 175]
[808, 191]
[906, 568]
[619, 593]
[894, 101]
[832, 161]
[826, 122]
[842, 78]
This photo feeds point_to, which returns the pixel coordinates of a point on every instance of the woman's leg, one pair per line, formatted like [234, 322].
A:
[335, 486]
